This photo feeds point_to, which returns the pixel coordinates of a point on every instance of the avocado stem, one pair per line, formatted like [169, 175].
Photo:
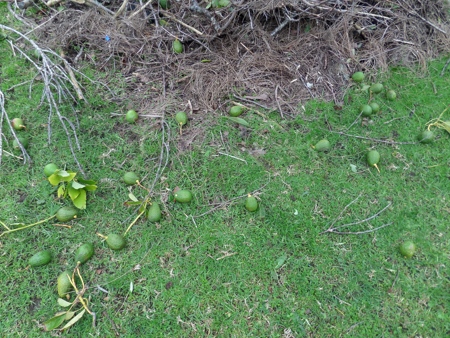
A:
[26, 226]
[4, 225]
[135, 220]
[375, 165]
[102, 236]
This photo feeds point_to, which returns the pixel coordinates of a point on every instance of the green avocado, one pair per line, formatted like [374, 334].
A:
[154, 213]
[115, 242]
[183, 196]
[63, 284]
[65, 214]
[251, 204]
[40, 258]
[84, 253]
[322, 145]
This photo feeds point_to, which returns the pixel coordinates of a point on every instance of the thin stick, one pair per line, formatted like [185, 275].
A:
[121, 9]
[369, 138]
[445, 67]
[4, 225]
[367, 219]
[236, 158]
[140, 9]
[169, 15]
[138, 216]
[342, 212]
[27, 226]
[359, 232]
[356, 120]
[73, 80]
[278, 103]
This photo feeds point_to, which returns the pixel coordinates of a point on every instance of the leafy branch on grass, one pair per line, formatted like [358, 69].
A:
[58, 319]
[439, 123]
[334, 230]
[76, 189]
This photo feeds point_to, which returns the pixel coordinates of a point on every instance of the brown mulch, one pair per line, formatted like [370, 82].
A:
[274, 54]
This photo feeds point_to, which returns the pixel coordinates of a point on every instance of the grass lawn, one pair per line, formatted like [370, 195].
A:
[210, 268]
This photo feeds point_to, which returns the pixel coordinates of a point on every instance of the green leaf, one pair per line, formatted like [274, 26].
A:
[54, 179]
[143, 207]
[87, 182]
[65, 176]
[73, 193]
[63, 302]
[80, 201]
[74, 320]
[238, 120]
[61, 191]
[365, 88]
[69, 315]
[54, 322]
[280, 261]
[353, 168]
[90, 187]
[77, 185]
[132, 197]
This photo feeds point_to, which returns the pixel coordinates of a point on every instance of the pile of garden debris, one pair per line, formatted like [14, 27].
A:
[273, 54]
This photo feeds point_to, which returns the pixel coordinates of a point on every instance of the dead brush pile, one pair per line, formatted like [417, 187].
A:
[274, 54]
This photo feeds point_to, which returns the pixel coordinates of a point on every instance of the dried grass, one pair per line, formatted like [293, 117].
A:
[283, 51]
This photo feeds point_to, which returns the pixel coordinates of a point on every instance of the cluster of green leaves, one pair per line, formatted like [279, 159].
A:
[69, 185]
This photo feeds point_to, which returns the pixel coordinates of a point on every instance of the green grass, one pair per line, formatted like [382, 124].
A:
[231, 273]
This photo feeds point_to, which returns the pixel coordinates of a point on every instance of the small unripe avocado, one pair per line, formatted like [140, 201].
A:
[63, 284]
[391, 95]
[177, 46]
[154, 212]
[22, 140]
[131, 116]
[84, 253]
[373, 157]
[181, 118]
[322, 145]
[49, 169]
[407, 249]
[17, 123]
[366, 110]
[235, 111]
[376, 88]
[116, 242]
[358, 76]
[40, 258]
[65, 214]
[427, 136]
[183, 196]
[130, 178]
[251, 204]
[375, 107]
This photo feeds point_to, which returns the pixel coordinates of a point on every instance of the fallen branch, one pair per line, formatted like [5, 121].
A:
[334, 230]
[55, 89]
[370, 139]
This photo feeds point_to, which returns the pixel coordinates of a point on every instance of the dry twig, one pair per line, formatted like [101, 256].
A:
[334, 230]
